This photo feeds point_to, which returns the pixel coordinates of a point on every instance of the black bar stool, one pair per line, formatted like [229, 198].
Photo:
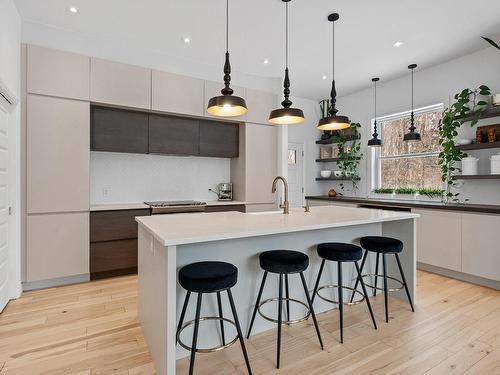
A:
[202, 278]
[284, 263]
[384, 246]
[340, 253]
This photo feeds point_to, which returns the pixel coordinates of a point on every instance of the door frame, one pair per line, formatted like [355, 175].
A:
[303, 147]
[10, 104]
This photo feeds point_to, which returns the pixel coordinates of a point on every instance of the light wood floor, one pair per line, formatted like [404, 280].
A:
[92, 328]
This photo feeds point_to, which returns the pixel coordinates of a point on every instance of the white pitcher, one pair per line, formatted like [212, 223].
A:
[469, 165]
[495, 164]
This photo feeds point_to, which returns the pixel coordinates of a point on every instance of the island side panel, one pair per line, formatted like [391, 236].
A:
[157, 299]
[406, 231]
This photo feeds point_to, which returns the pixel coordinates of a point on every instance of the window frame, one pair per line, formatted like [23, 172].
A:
[376, 158]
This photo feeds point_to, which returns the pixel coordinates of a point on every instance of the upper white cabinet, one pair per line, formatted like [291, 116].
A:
[261, 162]
[213, 89]
[260, 104]
[439, 238]
[120, 84]
[480, 247]
[58, 142]
[57, 73]
[177, 94]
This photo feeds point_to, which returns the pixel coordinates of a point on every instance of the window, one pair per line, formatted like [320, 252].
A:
[401, 164]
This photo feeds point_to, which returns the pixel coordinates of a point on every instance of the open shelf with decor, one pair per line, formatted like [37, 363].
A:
[477, 177]
[330, 160]
[335, 178]
[329, 141]
[487, 113]
[479, 146]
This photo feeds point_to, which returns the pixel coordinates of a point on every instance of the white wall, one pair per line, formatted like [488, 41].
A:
[432, 85]
[138, 178]
[10, 85]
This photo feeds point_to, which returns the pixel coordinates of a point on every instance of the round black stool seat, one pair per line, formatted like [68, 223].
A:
[340, 252]
[379, 244]
[283, 261]
[208, 277]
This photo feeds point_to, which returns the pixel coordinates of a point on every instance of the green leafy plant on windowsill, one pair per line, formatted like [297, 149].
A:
[431, 193]
[428, 192]
[466, 104]
[349, 157]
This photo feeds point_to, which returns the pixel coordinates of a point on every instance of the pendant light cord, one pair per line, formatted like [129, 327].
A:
[227, 25]
[375, 102]
[333, 51]
[412, 120]
[286, 35]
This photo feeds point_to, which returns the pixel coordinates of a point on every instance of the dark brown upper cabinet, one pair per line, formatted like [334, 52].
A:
[173, 135]
[117, 130]
[219, 139]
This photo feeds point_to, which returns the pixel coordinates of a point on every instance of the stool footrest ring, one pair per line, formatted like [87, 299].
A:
[206, 350]
[288, 322]
[397, 289]
[332, 286]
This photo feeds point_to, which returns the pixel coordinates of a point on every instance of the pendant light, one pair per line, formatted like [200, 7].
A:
[227, 105]
[375, 141]
[286, 115]
[412, 135]
[333, 122]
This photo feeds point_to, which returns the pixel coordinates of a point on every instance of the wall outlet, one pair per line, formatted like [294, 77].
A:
[105, 191]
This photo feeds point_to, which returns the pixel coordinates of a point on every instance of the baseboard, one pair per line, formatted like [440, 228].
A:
[460, 276]
[60, 281]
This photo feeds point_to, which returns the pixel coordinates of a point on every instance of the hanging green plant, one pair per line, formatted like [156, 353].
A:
[349, 156]
[466, 104]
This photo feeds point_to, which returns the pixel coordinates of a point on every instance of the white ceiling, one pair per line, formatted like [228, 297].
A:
[432, 32]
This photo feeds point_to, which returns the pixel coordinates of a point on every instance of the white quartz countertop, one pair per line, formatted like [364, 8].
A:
[204, 227]
[141, 205]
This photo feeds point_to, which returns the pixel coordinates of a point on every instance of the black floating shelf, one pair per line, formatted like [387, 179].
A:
[329, 140]
[330, 160]
[333, 179]
[488, 113]
[477, 177]
[479, 146]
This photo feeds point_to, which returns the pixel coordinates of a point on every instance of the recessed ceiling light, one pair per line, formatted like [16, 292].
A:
[398, 44]
[73, 9]
[266, 61]
[324, 77]
[187, 40]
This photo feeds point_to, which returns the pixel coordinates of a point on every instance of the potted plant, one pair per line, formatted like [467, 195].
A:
[466, 104]
[385, 193]
[430, 194]
[349, 157]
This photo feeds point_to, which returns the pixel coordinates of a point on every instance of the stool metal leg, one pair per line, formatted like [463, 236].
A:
[404, 281]
[183, 314]
[287, 291]
[360, 278]
[195, 334]
[386, 288]
[238, 329]
[356, 283]
[311, 310]
[317, 280]
[341, 303]
[376, 277]
[219, 303]
[280, 308]
[259, 296]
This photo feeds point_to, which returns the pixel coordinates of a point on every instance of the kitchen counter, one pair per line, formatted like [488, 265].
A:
[463, 207]
[169, 242]
[141, 205]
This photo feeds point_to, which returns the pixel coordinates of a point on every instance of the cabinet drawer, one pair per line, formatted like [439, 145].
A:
[114, 225]
[116, 130]
[229, 207]
[112, 256]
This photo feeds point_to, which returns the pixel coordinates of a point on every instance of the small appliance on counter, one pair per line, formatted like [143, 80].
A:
[224, 191]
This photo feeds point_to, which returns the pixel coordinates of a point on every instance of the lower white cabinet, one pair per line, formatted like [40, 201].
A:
[57, 245]
[439, 238]
[480, 245]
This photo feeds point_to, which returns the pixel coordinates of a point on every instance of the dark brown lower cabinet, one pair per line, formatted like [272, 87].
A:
[113, 243]
[229, 207]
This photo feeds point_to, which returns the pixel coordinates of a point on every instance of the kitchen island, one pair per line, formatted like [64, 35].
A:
[168, 242]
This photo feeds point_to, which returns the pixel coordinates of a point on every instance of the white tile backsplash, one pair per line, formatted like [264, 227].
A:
[120, 178]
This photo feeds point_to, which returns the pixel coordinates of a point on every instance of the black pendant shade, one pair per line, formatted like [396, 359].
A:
[333, 121]
[412, 135]
[286, 115]
[375, 141]
[227, 105]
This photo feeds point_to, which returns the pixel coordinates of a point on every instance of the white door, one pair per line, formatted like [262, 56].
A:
[4, 204]
[296, 174]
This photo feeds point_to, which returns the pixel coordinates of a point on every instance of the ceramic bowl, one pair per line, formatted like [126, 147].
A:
[337, 173]
[463, 141]
[325, 173]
